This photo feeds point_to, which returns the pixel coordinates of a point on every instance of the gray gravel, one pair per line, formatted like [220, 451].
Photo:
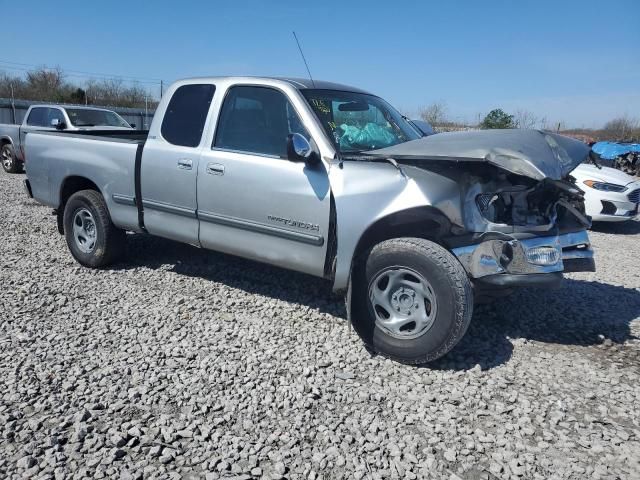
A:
[181, 363]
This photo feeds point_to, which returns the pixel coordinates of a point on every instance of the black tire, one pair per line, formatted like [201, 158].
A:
[108, 240]
[10, 163]
[448, 283]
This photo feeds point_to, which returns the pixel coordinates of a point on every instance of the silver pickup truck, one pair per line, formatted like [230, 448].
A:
[52, 117]
[332, 181]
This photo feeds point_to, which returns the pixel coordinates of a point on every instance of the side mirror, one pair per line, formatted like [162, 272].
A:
[299, 149]
[132, 125]
[57, 124]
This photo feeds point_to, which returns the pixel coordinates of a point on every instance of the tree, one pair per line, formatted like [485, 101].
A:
[525, 119]
[49, 85]
[435, 114]
[78, 96]
[497, 118]
[44, 83]
[622, 128]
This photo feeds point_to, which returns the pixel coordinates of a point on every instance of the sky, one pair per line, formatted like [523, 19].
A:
[576, 62]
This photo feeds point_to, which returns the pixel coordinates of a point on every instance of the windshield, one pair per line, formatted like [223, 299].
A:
[81, 117]
[357, 122]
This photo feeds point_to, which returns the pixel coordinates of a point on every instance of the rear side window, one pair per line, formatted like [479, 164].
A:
[186, 114]
[257, 120]
[38, 117]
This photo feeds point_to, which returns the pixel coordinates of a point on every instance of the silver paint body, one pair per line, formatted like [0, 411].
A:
[259, 207]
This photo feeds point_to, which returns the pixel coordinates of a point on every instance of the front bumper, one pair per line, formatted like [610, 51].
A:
[613, 206]
[616, 211]
[507, 261]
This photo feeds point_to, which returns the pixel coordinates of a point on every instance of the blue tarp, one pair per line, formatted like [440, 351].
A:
[611, 150]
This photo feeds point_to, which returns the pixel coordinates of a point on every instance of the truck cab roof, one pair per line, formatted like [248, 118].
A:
[54, 105]
[298, 83]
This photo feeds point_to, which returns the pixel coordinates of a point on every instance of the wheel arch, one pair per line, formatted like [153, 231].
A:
[425, 221]
[69, 186]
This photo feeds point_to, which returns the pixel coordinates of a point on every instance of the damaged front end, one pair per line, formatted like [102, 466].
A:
[521, 218]
[524, 227]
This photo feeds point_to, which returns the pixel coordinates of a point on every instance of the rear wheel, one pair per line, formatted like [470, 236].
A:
[10, 163]
[94, 241]
[412, 300]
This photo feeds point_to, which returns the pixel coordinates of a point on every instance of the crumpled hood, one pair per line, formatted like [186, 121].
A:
[532, 153]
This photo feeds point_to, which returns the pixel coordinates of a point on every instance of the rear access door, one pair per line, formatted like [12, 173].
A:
[169, 165]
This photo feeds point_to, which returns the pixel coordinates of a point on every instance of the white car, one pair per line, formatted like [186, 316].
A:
[610, 195]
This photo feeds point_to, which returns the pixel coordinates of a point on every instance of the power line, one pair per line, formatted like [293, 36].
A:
[23, 69]
[78, 73]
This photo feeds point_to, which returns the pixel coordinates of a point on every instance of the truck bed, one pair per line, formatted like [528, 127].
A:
[104, 157]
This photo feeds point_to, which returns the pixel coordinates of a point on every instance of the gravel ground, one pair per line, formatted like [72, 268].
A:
[181, 363]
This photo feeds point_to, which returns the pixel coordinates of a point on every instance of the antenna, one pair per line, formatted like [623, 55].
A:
[304, 60]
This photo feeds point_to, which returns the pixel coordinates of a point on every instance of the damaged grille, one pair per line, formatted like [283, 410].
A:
[634, 196]
[528, 206]
[484, 200]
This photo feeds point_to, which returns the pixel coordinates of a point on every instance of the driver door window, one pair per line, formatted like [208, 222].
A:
[257, 120]
[54, 114]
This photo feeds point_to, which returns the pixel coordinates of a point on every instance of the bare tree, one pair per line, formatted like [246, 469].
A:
[49, 85]
[44, 83]
[543, 122]
[622, 128]
[525, 119]
[435, 114]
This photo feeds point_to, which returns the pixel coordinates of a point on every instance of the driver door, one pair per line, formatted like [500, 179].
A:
[252, 200]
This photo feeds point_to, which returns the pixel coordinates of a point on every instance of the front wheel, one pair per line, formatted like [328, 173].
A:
[94, 241]
[10, 163]
[412, 300]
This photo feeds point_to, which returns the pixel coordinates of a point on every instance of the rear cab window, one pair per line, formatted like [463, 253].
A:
[186, 114]
[37, 117]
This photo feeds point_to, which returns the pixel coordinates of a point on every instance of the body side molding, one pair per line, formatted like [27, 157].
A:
[316, 240]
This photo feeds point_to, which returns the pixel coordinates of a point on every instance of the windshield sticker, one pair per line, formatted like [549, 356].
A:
[321, 106]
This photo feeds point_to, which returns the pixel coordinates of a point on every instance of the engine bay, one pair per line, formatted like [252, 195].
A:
[508, 203]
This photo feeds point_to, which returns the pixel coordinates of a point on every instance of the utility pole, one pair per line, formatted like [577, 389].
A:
[161, 88]
[13, 106]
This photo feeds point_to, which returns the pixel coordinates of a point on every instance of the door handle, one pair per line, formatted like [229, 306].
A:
[215, 168]
[185, 164]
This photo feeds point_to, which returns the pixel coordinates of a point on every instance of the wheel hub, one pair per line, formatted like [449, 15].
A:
[84, 230]
[404, 301]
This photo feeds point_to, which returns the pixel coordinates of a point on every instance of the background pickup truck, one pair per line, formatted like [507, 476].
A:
[329, 180]
[52, 117]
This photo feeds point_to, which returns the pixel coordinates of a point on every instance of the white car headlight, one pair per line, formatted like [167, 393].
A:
[605, 187]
